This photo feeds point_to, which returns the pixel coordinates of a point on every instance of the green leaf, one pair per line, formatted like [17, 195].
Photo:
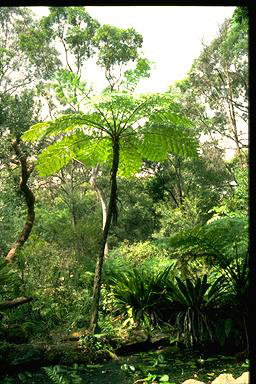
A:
[36, 131]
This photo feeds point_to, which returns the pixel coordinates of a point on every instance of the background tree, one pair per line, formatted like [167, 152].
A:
[215, 92]
[72, 29]
[19, 72]
[188, 188]
[14, 123]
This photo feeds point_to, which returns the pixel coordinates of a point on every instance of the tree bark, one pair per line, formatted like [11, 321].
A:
[73, 207]
[111, 213]
[15, 302]
[101, 197]
[232, 120]
[30, 201]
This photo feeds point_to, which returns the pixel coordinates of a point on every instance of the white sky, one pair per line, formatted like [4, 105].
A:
[172, 36]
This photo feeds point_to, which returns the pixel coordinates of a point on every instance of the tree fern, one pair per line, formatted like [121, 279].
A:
[117, 127]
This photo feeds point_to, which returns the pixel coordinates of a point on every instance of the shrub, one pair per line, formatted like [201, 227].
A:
[141, 296]
[194, 306]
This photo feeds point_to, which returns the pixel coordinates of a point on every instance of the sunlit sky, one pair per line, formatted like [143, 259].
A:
[172, 36]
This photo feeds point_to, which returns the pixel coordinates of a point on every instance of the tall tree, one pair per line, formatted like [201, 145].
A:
[119, 129]
[13, 123]
[26, 52]
[215, 92]
[115, 128]
[72, 30]
[116, 49]
[23, 64]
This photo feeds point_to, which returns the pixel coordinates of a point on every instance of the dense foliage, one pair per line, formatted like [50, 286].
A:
[120, 212]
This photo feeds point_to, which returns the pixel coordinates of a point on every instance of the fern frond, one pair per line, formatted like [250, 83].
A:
[54, 157]
[36, 131]
[55, 375]
[88, 135]
[169, 117]
[130, 158]
[96, 151]
[64, 124]
[88, 150]
[161, 139]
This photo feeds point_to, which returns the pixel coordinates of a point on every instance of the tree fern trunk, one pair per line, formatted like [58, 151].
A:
[111, 213]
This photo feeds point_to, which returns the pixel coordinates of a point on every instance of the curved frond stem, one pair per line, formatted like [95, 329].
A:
[121, 119]
[133, 133]
[114, 119]
[78, 161]
[106, 120]
[133, 112]
[96, 125]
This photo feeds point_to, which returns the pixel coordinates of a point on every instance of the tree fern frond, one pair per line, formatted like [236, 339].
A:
[64, 124]
[169, 117]
[36, 131]
[53, 158]
[89, 150]
[130, 158]
[119, 114]
[161, 139]
[96, 151]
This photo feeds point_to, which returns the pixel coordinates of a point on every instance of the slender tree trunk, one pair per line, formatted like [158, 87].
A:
[179, 180]
[101, 197]
[111, 213]
[30, 201]
[76, 240]
[77, 244]
[232, 118]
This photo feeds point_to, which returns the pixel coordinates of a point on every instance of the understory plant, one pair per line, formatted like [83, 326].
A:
[63, 375]
[194, 307]
[140, 297]
[235, 314]
[190, 306]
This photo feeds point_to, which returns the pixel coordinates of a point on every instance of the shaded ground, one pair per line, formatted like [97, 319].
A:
[68, 362]
[127, 369]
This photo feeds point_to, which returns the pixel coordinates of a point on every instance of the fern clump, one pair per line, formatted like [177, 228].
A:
[59, 374]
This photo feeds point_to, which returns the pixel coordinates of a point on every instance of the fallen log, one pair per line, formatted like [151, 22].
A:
[20, 357]
[15, 302]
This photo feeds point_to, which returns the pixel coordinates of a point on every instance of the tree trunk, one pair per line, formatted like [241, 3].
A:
[101, 197]
[111, 213]
[73, 207]
[232, 117]
[30, 201]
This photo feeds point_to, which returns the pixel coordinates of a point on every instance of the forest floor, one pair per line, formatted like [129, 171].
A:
[134, 360]
[128, 369]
